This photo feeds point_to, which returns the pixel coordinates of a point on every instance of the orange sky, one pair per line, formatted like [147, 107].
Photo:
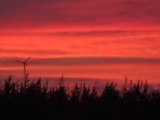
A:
[95, 39]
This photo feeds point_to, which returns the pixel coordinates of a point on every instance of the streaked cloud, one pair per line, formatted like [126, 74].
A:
[40, 13]
[33, 51]
[114, 32]
[81, 61]
[93, 61]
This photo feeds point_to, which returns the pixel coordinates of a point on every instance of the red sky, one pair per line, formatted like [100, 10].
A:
[81, 38]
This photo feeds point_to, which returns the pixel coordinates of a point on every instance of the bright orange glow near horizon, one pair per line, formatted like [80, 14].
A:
[81, 39]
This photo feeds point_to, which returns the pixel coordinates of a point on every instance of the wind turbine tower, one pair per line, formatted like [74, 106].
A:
[25, 64]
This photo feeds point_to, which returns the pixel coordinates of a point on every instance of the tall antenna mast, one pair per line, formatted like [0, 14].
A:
[24, 63]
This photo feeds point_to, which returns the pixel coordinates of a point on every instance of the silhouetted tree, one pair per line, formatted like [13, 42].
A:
[36, 101]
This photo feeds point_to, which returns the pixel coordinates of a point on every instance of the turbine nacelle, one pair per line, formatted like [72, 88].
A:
[24, 62]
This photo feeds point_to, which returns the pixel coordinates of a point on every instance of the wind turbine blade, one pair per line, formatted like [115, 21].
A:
[27, 59]
[19, 61]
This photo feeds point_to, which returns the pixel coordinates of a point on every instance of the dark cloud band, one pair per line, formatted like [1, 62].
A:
[82, 61]
[40, 13]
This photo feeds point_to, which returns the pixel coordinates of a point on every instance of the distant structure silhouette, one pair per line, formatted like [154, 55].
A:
[61, 81]
[24, 63]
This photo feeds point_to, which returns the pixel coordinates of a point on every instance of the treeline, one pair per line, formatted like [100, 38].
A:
[34, 100]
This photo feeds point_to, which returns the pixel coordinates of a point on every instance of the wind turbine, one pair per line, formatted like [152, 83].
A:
[24, 63]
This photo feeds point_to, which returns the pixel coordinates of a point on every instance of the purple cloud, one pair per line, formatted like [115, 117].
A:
[52, 13]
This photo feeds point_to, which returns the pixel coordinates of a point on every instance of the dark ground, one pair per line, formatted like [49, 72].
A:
[33, 100]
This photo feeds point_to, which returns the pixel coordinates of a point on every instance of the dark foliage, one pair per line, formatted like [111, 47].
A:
[34, 100]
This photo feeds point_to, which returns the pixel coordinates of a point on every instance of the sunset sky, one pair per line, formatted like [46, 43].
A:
[106, 39]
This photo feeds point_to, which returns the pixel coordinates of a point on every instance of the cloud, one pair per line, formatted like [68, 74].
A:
[82, 61]
[85, 33]
[52, 13]
[94, 61]
[34, 51]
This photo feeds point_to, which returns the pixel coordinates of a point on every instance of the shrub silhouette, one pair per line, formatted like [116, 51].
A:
[34, 100]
